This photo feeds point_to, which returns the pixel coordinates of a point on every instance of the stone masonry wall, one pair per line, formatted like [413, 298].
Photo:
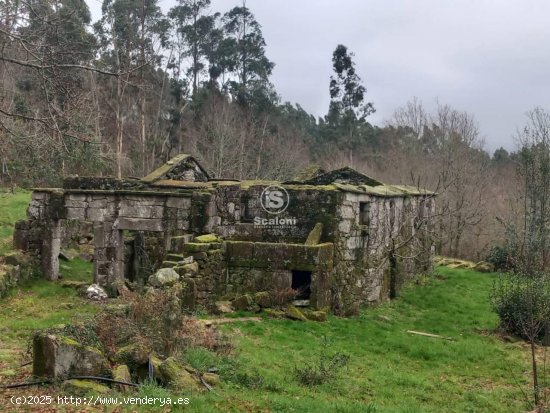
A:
[372, 261]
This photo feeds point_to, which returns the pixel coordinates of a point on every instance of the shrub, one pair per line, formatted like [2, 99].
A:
[500, 257]
[522, 302]
[156, 321]
[324, 369]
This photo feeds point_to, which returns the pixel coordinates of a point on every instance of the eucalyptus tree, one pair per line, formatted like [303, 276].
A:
[196, 35]
[243, 53]
[348, 110]
[132, 34]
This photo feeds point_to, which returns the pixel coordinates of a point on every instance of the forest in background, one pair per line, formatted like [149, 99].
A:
[122, 95]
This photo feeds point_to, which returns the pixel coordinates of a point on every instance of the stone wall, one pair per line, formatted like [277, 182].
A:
[111, 212]
[355, 262]
[235, 208]
[373, 260]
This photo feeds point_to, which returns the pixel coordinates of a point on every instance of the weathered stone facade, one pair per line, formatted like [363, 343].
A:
[369, 236]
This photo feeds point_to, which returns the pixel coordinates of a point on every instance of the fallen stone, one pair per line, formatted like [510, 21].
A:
[64, 256]
[133, 354]
[242, 303]
[212, 379]
[178, 376]
[60, 357]
[122, 373]
[295, 314]
[316, 315]
[263, 299]
[221, 307]
[274, 313]
[95, 292]
[83, 387]
[163, 277]
[187, 260]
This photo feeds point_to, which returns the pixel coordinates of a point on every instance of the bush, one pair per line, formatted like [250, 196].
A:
[501, 258]
[156, 321]
[522, 302]
[324, 369]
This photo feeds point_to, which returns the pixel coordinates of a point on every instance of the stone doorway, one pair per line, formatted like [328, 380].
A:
[301, 282]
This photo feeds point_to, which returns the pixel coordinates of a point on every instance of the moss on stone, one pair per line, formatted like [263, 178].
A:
[263, 299]
[207, 238]
[177, 376]
[81, 387]
[174, 257]
[273, 313]
[192, 247]
[242, 303]
[316, 315]
[314, 236]
[122, 373]
[294, 313]
[132, 354]
[169, 264]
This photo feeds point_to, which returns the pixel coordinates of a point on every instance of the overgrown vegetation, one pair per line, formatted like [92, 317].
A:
[522, 302]
[323, 370]
[155, 321]
[389, 370]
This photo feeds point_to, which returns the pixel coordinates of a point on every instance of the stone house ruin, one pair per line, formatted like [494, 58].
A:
[340, 238]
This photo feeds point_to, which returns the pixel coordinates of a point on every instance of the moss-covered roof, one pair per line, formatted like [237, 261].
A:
[171, 177]
[385, 190]
[181, 160]
[345, 175]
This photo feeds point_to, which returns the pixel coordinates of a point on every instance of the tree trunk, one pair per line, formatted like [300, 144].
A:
[535, 374]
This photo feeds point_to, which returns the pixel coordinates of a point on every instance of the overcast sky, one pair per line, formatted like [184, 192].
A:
[491, 58]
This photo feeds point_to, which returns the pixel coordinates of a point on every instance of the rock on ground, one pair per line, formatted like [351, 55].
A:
[61, 357]
[164, 277]
[295, 314]
[95, 292]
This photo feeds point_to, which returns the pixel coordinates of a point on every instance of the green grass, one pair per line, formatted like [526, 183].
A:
[39, 304]
[390, 371]
[13, 207]
[389, 368]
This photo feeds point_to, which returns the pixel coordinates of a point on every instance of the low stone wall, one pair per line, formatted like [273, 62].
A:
[15, 268]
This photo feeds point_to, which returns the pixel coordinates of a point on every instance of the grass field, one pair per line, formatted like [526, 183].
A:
[390, 370]
[12, 208]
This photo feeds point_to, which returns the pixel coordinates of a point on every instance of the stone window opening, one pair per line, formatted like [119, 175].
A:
[301, 282]
[246, 210]
[364, 214]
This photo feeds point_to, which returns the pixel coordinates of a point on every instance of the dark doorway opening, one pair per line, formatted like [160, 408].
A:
[301, 282]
